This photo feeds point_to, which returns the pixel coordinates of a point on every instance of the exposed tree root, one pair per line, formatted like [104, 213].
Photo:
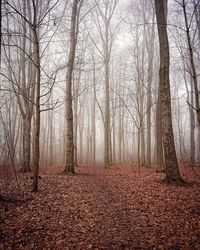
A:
[69, 169]
[172, 181]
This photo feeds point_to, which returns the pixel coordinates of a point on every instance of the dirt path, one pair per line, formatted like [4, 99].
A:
[98, 209]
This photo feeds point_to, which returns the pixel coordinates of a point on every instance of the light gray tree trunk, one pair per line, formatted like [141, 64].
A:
[69, 161]
[94, 116]
[107, 110]
[150, 50]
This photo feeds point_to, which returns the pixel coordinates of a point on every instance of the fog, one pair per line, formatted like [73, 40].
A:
[125, 53]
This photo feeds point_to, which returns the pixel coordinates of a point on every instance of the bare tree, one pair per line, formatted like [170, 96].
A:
[105, 11]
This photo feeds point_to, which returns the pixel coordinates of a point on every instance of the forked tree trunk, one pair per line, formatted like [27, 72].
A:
[171, 163]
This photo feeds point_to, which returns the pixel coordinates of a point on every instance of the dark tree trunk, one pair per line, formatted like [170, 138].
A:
[36, 148]
[26, 143]
[171, 163]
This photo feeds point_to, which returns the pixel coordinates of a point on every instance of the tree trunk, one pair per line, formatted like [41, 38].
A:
[94, 117]
[81, 130]
[36, 148]
[159, 144]
[69, 163]
[107, 117]
[150, 50]
[192, 128]
[141, 108]
[138, 151]
[26, 123]
[51, 134]
[171, 163]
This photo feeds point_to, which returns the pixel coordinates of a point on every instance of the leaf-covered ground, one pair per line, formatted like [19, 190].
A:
[101, 209]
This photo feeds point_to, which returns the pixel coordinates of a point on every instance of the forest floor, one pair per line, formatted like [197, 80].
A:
[101, 209]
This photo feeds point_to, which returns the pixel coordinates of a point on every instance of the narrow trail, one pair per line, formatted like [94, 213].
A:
[110, 210]
[102, 209]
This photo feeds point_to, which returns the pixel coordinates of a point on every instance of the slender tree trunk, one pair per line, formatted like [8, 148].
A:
[120, 137]
[36, 148]
[149, 124]
[94, 117]
[142, 140]
[172, 170]
[113, 142]
[138, 151]
[81, 127]
[180, 137]
[142, 120]
[192, 128]
[190, 99]
[69, 164]
[76, 122]
[150, 49]
[51, 134]
[107, 117]
[26, 123]
[120, 127]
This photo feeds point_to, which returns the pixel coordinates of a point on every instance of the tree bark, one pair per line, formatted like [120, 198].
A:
[69, 161]
[94, 116]
[36, 148]
[107, 113]
[192, 128]
[26, 123]
[150, 50]
[171, 163]
[159, 144]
